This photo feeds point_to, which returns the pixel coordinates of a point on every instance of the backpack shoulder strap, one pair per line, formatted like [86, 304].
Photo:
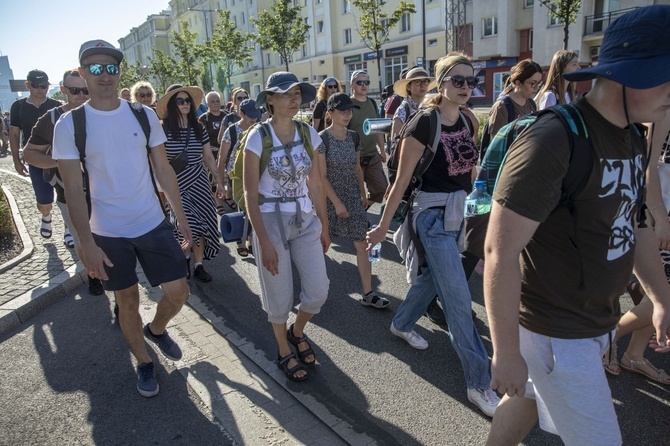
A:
[374, 104]
[266, 140]
[79, 122]
[533, 105]
[143, 119]
[357, 138]
[510, 108]
[233, 135]
[466, 120]
[326, 141]
[305, 137]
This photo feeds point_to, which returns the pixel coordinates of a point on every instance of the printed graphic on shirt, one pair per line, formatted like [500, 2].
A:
[216, 125]
[287, 180]
[460, 151]
[622, 178]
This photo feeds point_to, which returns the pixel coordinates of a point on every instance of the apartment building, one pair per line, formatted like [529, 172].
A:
[141, 42]
[495, 33]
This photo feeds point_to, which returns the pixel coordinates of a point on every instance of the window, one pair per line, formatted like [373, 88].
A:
[530, 39]
[318, 2]
[347, 36]
[554, 21]
[490, 26]
[235, 20]
[233, 2]
[392, 68]
[319, 26]
[404, 23]
[269, 60]
[432, 42]
[346, 7]
[243, 20]
[471, 32]
[528, 3]
[304, 51]
[385, 23]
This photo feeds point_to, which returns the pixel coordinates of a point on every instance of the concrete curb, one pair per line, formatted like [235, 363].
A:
[27, 305]
[28, 246]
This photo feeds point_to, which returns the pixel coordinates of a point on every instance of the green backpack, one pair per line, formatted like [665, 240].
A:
[236, 174]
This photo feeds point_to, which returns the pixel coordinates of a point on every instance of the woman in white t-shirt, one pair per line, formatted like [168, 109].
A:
[278, 194]
[556, 89]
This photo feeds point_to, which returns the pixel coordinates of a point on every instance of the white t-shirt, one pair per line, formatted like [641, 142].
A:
[123, 200]
[277, 180]
[548, 99]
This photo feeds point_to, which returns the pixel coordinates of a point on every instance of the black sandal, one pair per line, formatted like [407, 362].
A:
[290, 372]
[242, 251]
[295, 341]
[231, 203]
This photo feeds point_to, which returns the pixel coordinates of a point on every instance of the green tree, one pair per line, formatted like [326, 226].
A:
[228, 48]
[222, 81]
[188, 70]
[207, 81]
[130, 74]
[59, 96]
[164, 70]
[374, 24]
[566, 12]
[281, 29]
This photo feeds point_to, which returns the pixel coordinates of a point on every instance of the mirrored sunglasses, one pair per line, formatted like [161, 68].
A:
[96, 69]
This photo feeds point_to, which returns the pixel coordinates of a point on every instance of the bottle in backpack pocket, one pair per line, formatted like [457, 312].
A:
[479, 201]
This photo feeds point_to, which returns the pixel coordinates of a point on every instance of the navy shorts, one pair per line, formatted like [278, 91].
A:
[44, 192]
[158, 252]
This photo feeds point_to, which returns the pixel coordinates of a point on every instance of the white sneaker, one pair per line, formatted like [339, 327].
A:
[413, 338]
[485, 399]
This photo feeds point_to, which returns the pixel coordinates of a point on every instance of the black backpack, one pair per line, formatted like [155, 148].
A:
[79, 122]
[486, 136]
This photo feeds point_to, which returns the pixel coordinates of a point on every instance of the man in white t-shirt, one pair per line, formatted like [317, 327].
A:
[126, 223]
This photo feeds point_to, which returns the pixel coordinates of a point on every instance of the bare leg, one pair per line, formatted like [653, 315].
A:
[131, 322]
[638, 343]
[514, 418]
[45, 209]
[364, 267]
[638, 317]
[175, 294]
[198, 250]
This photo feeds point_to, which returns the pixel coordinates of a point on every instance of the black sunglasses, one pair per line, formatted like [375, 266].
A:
[359, 83]
[332, 86]
[458, 81]
[40, 86]
[144, 95]
[97, 68]
[242, 98]
[182, 101]
[76, 90]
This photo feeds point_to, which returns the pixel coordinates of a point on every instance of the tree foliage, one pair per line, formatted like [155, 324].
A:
[281, 29]
[228, 48]
[374, 24]
[164, 70]
[566, 12]
[131, 74]
[188, 70]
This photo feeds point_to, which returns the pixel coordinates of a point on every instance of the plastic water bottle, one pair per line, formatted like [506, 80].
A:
[479, 201]
[375, 254]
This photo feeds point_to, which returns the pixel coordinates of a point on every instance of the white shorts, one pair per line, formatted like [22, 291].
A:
[568, 382]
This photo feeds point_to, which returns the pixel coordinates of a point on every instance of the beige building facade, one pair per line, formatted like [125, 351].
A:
[495, 33]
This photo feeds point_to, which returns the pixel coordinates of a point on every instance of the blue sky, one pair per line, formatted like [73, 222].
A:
[45, 34]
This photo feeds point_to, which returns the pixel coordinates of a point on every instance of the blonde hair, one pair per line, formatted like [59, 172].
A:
[443, 66]
[135, 89]
[555, 81]
[322, 92]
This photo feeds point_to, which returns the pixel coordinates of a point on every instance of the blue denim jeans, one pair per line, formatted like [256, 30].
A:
[443, 274]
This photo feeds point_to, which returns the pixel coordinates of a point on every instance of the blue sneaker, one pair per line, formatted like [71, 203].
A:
[167, 345]
[146, 380]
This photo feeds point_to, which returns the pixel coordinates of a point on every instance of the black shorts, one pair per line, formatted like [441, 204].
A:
[158, 252]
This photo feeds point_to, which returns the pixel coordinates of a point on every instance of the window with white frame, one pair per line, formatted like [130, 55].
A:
[304, 51]
[528, 3]
[355, 67]
[554, 21]
[319, 26]
[490, 26]
[392, 68]
[404, 23]
[385, 23]
[347, 36]
[346, 7]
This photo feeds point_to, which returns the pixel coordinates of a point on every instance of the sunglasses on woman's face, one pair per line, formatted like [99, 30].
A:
[144, 95]
[361, 83]
[242, 98]
[458, 81]
[182, 101]
[332, 87]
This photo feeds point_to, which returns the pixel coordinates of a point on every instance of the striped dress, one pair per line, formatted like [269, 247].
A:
[196, 193]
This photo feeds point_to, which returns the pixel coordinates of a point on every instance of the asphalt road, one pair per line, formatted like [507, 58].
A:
[382, 386]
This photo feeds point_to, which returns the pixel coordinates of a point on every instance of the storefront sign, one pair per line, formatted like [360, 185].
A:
[371, 55]
[352, 59]
[398, 51]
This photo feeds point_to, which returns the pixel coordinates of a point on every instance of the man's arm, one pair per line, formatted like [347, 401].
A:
[168, 181]
[15, 144]
[508, 233]
[649, 270]
[37, 156]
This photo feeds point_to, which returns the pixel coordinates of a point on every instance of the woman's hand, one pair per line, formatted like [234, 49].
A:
[269, 258]
[341, 210]
[220, 191]
[377, 235]
[325, 240]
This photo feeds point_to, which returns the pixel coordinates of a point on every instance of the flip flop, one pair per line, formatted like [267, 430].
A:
[45, 228]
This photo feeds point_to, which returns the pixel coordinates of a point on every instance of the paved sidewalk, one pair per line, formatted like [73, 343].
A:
[247, 396]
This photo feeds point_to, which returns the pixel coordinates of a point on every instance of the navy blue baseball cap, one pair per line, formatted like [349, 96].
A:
[635, 51]
[248, 106]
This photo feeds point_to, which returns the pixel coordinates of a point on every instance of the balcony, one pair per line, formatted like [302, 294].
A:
[595, 25]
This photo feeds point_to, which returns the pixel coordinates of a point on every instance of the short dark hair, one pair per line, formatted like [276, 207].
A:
[69, 73]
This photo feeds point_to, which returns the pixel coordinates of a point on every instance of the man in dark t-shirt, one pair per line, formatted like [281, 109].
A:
[553, 277]
[24, 114]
